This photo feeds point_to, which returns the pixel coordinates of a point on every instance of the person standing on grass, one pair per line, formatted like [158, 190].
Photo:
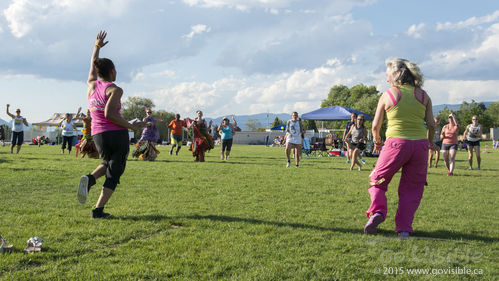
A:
[226, 130]
[294, 138]
[177, 127]
[146, 146]
[109, 129]
[2, 135]
[86, 144]
[437, 142]
[407, 108]
[472, 134]
[202, 139]
[68, 130]
[348, 140]
[357, 136]
[449, 143]
[17, 129]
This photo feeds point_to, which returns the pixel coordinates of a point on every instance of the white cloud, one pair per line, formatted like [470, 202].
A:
[241, 5]
[415, 30]
[477, 61]
[301, 91]
[197, 29]
[23, 15]
[473, 21]
[456, 91]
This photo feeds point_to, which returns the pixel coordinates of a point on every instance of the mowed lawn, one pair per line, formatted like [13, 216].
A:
[249, 218]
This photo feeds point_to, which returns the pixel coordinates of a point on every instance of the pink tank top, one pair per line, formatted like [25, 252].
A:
[450, 136]
[97, 104]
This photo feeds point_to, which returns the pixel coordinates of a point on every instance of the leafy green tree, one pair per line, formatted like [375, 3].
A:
[493, 114]
[135, 107]
[359, 97]
[253, 125]
[309, 125]
[277, 122]
[163, 125]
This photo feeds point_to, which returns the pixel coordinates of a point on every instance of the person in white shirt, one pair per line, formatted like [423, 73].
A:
[472, 136]
[17, 129]
[68, 131]
[294, 138]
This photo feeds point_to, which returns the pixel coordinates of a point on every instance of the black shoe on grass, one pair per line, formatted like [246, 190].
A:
[98, 213]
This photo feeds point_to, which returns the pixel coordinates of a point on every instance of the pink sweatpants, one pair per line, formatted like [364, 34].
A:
[412, 157]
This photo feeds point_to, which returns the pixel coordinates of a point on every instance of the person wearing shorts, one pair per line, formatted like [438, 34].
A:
[357, 134]
[437, 142]
[449, 143]
[109, 129]
[226, 130]
[177, 127]
[294, 138]
[17, 129]
[348, 140]
[472, 134]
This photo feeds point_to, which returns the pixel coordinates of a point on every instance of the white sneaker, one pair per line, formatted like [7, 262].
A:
[82, 194]
[287, 165]
[363, 161]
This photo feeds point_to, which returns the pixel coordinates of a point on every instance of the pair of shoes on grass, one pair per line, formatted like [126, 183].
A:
[3, 245]
[82, 195]
[371, 226]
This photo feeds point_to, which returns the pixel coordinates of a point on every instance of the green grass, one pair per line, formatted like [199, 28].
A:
[249, 218]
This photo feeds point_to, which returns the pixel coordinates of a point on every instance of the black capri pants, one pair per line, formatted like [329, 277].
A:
[113, 147]
[68, 141]
[226, 144]
[17, 138]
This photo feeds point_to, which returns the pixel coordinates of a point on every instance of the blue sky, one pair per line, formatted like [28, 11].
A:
[242, 57]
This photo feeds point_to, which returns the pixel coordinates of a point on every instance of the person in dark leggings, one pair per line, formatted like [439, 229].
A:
[226, 130]
[109, 129]
[17, 129]
[68, 131]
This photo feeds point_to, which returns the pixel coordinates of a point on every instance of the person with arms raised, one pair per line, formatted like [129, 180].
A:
[109, 129]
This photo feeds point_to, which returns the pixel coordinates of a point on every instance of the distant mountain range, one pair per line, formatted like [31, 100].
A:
[242, 120]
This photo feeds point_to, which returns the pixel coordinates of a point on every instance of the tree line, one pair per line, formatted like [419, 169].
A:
[365, 99]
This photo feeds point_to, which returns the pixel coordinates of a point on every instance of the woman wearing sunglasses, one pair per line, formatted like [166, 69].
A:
[357, 134]
[472, 134]
[449, 143]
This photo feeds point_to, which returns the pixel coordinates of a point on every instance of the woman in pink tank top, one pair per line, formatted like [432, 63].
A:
[449, 143]
[109, 129]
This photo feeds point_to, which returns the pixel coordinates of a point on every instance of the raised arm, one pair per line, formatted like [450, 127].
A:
[235, 122]
[99, 43]
[8, 113]
[77, 116]
[430, 122]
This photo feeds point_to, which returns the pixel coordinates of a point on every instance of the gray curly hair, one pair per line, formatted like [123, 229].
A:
[405, 72]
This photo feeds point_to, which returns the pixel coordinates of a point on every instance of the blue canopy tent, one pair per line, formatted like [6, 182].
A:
[279, 128]
[333, 113]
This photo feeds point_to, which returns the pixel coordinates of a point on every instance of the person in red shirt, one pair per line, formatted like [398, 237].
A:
[177, 127]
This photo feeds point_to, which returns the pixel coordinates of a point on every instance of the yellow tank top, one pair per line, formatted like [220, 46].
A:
[406, 119]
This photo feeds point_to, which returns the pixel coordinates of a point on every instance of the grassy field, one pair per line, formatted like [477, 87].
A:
[249, 218]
